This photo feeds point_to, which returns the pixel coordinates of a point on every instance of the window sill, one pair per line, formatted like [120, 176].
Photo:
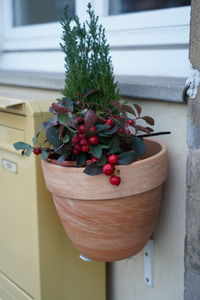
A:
[168, 89]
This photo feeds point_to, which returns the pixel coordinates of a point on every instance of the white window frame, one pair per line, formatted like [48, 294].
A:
[165, 27]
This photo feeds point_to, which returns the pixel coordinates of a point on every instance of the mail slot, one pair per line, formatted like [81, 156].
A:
[36, 259]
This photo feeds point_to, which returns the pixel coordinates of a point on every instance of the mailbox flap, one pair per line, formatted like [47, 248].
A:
[9, 102]
[12, 105]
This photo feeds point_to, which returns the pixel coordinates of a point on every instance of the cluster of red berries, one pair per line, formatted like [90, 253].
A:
[81, 142]
[109, 169]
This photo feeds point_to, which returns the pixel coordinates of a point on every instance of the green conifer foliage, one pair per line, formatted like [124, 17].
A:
[88, 63]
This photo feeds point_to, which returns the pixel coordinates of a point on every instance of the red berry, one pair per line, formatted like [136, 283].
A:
[131, 122]
[110, 122]
[113, 159]
[75, 152]
[108, 169]
[81, 129]
[127, 131]
[37, 150]
[94, 159]
[93, 128]
[77, 147]
[100, 120]
[83, 142]
[93, 140]
[81, 136]
[120, 130]
[115, 180]
[79, 120]
[75, 140]
[85, 148]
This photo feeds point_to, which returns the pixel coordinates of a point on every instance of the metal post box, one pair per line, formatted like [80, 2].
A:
[36, 259]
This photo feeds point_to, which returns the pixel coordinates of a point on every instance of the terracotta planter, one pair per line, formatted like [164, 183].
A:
[105, 222]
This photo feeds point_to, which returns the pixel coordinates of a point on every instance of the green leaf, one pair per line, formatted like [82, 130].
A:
[65, 139]
[28, 151]
[81, 159]
[114, 145]
[138, 146]
[102, 161]
[62, 158]
[44, 154]
[36, 136]
[111, 131]
[68, 103]
[96, 151]
[102, 127]
[126, 158]
[93, 170]
[22, 146]
[52, 136]
[63, 119]
[103, 146]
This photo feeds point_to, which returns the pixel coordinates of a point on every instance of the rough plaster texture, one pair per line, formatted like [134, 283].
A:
[192, 240]
[127, 276]
[195, 34]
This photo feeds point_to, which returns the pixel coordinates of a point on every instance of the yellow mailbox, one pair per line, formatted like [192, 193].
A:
[36, 259]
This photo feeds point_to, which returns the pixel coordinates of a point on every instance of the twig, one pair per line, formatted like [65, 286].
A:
[154, 134]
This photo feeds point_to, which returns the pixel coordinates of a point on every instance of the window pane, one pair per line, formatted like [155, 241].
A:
[27, 12]
[127, 6]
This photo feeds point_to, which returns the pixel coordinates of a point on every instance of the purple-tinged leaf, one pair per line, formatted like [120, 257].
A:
[93, 170]
[52, 122]
[90, 119]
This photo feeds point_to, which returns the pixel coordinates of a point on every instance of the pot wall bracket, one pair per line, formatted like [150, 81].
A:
[149, 263]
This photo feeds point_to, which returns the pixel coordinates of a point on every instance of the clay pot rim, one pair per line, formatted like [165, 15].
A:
[141, 161]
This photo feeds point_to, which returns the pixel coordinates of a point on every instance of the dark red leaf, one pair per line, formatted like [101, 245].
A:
[138, 108]
[149, 129]
[59, 108]
[140, 128]
[148, 120]
[128, 108]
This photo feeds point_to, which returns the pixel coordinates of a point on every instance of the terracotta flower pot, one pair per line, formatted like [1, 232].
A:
[106, 222]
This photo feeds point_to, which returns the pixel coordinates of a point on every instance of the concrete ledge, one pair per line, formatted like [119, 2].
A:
[140, 87]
